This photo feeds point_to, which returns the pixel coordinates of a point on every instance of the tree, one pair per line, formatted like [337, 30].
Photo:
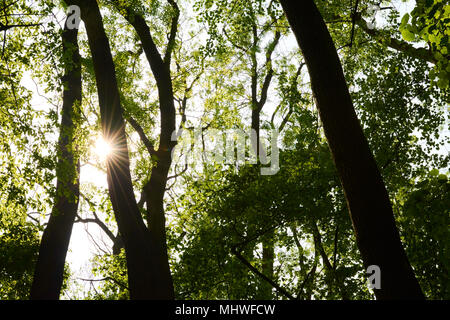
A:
[155, 188]
[200, 72]
[235, 19]
[147, 274]
[366, 195]
[49, 269]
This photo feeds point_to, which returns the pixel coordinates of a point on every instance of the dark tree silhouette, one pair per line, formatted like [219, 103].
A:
[147, 273]
[49, 271]
[367, 199]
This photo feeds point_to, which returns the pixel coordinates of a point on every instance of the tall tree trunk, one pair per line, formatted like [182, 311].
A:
[156, 187]
[147, 275]
[48, 276]
[257, 105]
[155, 211]
[367, 199]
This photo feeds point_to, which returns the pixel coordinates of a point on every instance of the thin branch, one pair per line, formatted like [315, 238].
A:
[286, 118]
[148, 144]
[318, 243]
[185, 99]
[298, 244]
[106, 279]
[232, 42]
[94, 241]
[305, 281]
[173, 32]
[176, 175]
[7, 27]
[355, 10]
[260, 274]
[6, 6]
[335, 246]
[269, 75]
[96, 220]
[293, 87]
[319, 246]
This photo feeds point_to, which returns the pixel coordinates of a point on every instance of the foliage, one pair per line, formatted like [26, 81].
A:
[423, 218]
[429, 21]
[112, 271]
[221, 216]
[19, 245]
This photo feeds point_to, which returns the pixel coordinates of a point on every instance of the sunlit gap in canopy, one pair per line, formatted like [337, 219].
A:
[111, 150]
[102, 148]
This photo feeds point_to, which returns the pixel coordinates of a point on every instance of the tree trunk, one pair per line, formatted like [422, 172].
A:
[147, 275]
[268, 256]
[156, 187]
[156, 214]
[367, 199]
[49, 271]
[268, 248]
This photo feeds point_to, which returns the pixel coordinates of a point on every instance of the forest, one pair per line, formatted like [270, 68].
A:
[224, 150]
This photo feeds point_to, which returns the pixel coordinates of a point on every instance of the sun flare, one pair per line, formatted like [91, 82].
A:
[102, 148]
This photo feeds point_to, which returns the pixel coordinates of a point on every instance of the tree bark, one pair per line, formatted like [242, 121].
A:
[49, 270]
[147, 273]
[367, 199]
[156, 187]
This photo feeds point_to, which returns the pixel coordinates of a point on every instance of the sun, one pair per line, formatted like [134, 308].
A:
[102, 148]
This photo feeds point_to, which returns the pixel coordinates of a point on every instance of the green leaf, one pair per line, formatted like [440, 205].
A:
[408, 35]
[434, 172]
[405, 20]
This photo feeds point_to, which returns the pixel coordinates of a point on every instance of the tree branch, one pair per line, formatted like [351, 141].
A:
[106, 279]
[148, 144]
[173, 32]
[399, 45]
[260, 274]
[269, 75]
[319, 246]
[355, 10]
[7, 27]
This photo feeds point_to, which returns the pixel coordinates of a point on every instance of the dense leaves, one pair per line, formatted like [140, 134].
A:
[429, 21]
[19, 245]
[232, 233]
